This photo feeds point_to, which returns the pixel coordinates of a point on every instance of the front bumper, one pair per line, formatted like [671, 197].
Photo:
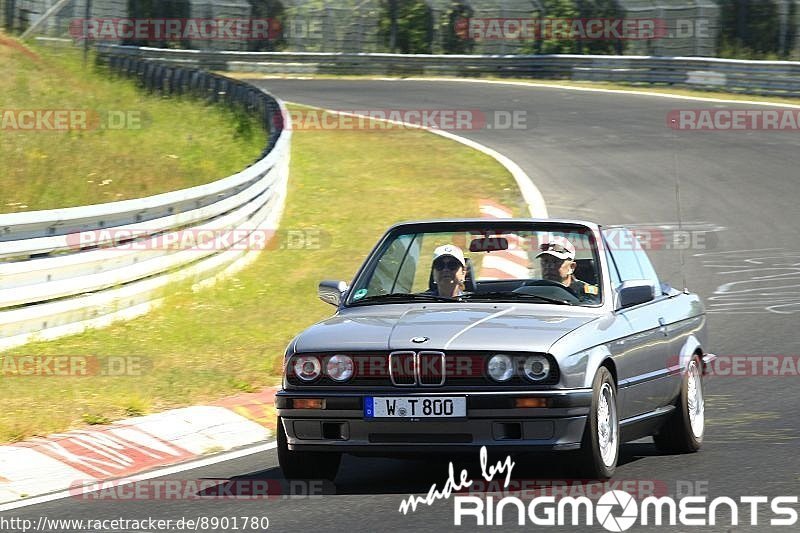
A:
[491, 421]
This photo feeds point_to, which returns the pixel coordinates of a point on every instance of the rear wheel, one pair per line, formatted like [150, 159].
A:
[306, 465]
[683, 432]
[600, 447]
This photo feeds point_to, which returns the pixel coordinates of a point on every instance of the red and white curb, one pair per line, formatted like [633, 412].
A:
[59, 462]
[504, 264]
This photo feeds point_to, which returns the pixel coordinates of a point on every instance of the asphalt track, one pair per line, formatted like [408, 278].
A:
[609, 158]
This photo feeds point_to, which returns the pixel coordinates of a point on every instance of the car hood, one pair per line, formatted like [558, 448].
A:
[446, 326]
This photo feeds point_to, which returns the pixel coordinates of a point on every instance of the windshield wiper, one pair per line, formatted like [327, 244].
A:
[502, 295]
[404, 296]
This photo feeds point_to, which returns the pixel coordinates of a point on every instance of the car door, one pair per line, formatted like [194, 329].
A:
[642, 357]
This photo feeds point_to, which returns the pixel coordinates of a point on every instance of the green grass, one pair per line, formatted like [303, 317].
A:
[347, 185]
[171, 144]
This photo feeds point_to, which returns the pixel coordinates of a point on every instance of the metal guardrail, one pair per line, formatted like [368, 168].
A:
[781, 78]
[52, 284]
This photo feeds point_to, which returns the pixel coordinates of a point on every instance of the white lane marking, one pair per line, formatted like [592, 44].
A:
[599, 90]
[165, 471]
[764, 280]
[530, 193]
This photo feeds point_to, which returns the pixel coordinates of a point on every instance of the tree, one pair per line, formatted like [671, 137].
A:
[406, 26]
[752, 29]
[159, 9]
[575, 9]
[453, 29]
[274, 11]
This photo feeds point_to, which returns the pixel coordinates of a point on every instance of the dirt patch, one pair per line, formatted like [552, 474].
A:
[7, 42]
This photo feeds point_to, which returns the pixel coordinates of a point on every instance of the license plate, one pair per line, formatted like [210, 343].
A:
[415, 407]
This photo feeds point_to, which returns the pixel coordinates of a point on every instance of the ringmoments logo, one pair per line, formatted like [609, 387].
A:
[616, 510]
[605, 510]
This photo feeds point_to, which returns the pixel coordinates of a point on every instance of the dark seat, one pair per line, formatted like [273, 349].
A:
[586, 271]
[469, 279]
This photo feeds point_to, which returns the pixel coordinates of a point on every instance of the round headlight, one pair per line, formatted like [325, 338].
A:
[536, 367]
[500, 367]
[340, 367]
[307, 367]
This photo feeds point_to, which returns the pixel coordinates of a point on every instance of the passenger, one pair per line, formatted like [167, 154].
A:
[449, 271]
[558, 264]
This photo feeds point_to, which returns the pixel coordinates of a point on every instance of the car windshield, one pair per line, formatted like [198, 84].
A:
[522, 262]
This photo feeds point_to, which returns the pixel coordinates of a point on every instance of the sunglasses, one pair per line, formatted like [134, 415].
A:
[449, 264]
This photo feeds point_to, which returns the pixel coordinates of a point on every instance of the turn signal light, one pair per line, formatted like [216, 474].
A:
[308, 403]
[529, 402]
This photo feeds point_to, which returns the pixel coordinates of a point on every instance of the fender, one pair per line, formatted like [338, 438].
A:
[578, 370]
[597, 356]
[688, 349]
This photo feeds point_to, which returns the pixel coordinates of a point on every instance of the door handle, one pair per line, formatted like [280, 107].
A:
[663, 326]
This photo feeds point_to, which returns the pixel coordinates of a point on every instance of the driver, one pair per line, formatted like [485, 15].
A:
[557, 258]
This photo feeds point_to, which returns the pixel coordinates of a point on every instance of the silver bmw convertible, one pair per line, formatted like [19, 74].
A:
[520, 335]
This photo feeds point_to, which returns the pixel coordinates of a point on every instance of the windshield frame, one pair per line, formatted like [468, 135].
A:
[443, 226]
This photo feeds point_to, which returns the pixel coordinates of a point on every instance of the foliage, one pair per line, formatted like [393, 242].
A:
[276, 13]
[752, 29]
[159, 9]
[575, 9]
[406, 26]
[454, 37]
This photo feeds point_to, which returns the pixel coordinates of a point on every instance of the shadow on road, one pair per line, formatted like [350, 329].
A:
[369, 475]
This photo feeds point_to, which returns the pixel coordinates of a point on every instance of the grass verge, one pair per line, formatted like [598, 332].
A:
[137, 144]
[346, 188]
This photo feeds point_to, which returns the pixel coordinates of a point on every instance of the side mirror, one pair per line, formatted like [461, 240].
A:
[331, 292]
[635, 292]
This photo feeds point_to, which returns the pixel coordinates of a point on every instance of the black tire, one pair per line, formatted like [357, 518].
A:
[597, 461]
[683, 431]
[306, 465]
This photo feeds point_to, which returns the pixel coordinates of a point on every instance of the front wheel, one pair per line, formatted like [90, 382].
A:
[305, 465]
[683, 432]
[600, 447]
